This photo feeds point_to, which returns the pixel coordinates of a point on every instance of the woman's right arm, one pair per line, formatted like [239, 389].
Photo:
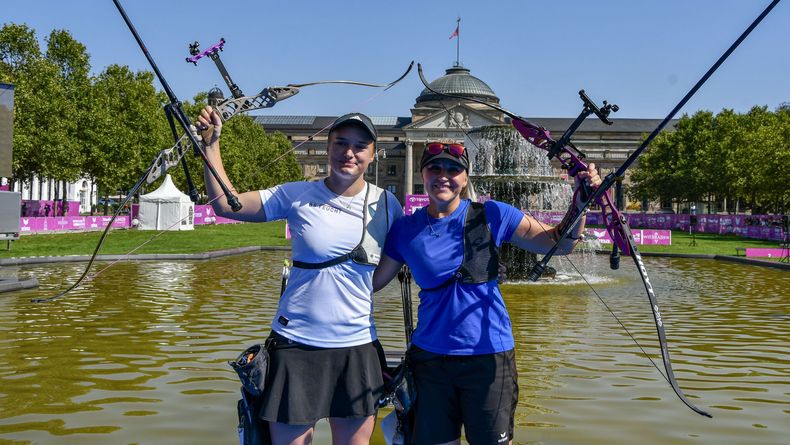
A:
[252, 207]
[385, 272]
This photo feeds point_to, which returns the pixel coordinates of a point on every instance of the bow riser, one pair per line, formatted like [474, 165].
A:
[170, 157]
[265, 99]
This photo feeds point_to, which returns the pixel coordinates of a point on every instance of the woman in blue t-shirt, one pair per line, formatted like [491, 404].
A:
[462, 352]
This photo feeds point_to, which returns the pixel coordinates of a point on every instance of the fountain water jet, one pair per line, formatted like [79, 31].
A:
[505, 167]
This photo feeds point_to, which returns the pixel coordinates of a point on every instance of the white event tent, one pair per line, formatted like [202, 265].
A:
[166, 208]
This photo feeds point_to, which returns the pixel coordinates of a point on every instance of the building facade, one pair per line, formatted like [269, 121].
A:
[438, 118]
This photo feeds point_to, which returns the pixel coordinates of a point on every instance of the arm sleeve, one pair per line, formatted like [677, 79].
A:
[391, 245]
[277, 200]
[395, 209]
[503, 220]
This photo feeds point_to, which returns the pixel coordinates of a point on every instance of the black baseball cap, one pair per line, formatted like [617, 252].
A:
[357, 119]
[462, 160]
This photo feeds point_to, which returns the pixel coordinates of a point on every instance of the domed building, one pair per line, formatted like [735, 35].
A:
[457, 81]
[439, 118]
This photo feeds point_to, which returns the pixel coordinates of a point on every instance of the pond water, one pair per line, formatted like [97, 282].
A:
[139, 354]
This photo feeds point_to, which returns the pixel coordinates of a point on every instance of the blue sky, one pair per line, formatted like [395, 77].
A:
[536, 55]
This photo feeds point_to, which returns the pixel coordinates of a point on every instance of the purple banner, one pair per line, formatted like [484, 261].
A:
[641, 236]
[414, 203]
[766, 227]
[66, 223]
[204, 214]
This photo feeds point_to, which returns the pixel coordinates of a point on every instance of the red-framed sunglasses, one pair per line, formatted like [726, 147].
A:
[435, 148]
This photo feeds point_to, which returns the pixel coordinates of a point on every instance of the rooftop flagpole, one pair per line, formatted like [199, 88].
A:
[457, 33]
[458, 43]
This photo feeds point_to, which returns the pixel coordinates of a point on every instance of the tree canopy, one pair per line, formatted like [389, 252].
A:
[728, 157]
[110, 127]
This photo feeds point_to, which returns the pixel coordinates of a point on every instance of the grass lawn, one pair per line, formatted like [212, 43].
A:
[225, 236]
[204, 238]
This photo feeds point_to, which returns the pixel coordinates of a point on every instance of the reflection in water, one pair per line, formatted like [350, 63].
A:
[139, 354]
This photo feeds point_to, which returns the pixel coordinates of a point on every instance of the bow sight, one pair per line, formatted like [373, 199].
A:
[213, 53]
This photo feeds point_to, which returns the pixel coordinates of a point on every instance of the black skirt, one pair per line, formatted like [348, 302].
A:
[307, 383]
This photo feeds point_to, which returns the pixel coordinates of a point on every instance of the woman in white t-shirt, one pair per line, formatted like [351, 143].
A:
[326, 359]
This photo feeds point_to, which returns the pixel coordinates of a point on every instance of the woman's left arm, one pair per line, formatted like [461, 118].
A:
[538, 237]
[385, 272]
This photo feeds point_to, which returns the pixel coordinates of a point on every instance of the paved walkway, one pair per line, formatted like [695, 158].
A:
[12, 284]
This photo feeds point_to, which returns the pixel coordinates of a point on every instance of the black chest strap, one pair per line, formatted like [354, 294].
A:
[481, 254]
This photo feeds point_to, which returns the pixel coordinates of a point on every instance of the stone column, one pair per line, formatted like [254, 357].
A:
[409, 169]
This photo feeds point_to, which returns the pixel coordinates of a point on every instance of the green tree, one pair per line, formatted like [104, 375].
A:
[64, 136]
[21, 65]
[765, 159]
[125, 130]
[778, 167]
[739, 157]
[670, 170]
[727, 179]
[694, 138]
[50, 96]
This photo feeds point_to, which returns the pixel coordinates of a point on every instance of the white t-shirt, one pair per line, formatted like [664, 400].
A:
[330, 307]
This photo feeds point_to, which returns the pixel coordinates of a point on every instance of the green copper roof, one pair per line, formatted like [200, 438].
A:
[457, 80]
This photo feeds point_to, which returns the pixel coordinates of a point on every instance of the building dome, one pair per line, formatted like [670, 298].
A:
[458, 81]
[215, 96]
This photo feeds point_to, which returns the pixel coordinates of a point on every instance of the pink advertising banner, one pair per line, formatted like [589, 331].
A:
[641, 236]
[766, 252]
[204, 214]
[414, 203]
[66, 223]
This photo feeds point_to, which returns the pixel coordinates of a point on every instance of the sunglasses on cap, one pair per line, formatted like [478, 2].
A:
[451, 168]
[435, 148]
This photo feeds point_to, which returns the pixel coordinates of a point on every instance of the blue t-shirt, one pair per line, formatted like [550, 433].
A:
[459, 319]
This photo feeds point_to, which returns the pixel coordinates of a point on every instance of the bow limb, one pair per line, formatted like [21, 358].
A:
[662, 338]
[268, 97]
[101, 240]
[386, 86]
[230, 107]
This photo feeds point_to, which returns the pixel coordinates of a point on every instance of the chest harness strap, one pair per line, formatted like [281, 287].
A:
[367, 252]
[481, 254]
